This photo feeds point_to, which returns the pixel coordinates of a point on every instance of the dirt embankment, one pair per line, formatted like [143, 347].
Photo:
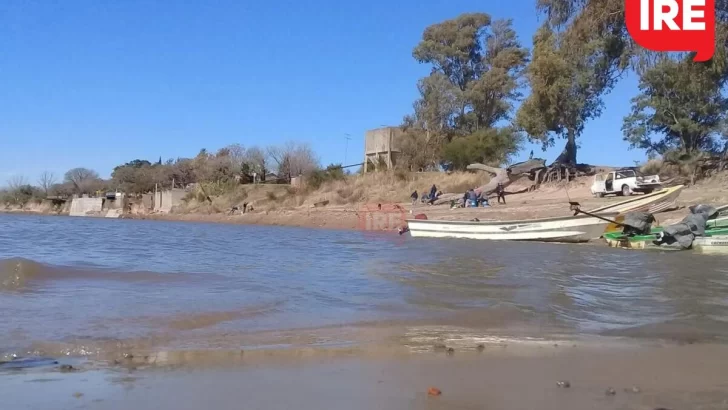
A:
[349, 199]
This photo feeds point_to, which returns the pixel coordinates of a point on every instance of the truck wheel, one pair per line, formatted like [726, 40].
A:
[649, 191]
[625, 190]
[600, 194]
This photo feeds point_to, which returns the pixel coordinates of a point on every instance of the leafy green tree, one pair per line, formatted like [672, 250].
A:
[476, 79]
[593, 35]
[567, 84]
[682, 106]
[136, 176]
[490, 146]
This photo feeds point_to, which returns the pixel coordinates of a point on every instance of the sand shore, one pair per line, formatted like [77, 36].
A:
[621, 377]
[548, 201]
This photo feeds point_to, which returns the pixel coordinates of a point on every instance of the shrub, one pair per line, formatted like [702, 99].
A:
[333, 172]
[401, 175]
[652, 167]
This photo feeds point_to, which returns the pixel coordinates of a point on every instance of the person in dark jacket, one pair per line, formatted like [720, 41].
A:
[472, 198]
[501, 191]
[433, 194]
[414, 197]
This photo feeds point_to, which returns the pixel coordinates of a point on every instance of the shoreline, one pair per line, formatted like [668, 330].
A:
[547, 202]
[644, 376]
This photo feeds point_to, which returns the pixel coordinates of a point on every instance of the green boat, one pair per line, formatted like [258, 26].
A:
[716, 228]
[620, 240]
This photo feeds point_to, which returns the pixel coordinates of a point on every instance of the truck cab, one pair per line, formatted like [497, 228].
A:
[625, 182]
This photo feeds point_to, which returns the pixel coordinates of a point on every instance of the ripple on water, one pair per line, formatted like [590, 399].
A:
[66, 279]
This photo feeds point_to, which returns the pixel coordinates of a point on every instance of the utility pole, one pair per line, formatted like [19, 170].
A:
[346, 148]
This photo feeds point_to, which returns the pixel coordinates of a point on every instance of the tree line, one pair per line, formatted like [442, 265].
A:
[220, 170]
[487, 93]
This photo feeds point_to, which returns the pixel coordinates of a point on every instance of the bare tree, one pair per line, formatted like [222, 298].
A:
[16, 181]
[236, 153]
[256, 160]
[15, 184]
[46, 181]
[294, 159]
[81, 178]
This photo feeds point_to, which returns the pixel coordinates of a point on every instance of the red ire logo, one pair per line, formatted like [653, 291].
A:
[673, 25]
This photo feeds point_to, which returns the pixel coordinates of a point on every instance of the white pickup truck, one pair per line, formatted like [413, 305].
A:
[624, 182]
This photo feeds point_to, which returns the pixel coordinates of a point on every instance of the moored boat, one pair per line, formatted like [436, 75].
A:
[653, 203]
[720, 219]
[580, 228]
[716, 244]
[705, 230]
[712, 237]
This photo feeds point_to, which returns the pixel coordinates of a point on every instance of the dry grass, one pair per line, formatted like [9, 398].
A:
[259, 196]
[393, 186]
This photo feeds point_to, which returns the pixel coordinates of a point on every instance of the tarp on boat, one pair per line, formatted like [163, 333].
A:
[684, 232]
[637, 223]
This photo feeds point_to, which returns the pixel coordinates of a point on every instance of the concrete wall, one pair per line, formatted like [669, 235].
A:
[85, 206]
[113, 213]
[165, 200]
[148, 201]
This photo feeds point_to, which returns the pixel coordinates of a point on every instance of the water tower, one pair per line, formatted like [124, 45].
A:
[381, 146]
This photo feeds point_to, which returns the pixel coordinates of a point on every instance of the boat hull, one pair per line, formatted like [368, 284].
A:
[566, 229]
[715, 241]
[714, 245]
[653, 203]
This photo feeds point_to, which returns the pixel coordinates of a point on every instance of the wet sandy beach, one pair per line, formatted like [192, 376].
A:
[617, 377]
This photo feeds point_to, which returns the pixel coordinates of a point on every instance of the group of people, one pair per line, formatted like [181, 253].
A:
[427, 198]
[470, 199]
[473, 200]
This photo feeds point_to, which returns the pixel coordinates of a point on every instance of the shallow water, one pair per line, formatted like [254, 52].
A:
[81, 286]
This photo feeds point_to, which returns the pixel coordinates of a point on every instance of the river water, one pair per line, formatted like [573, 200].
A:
[85, 286]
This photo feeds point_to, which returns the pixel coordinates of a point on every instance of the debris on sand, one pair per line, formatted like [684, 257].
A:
[480, 347]
[434, 391]
[450, 351]
[610, 392]
[564, 384]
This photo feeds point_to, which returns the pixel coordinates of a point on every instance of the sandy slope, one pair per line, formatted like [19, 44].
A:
[548, 201]
[352, 201]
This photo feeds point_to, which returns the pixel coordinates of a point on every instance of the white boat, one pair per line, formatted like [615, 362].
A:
[580, 228]
[653, 203]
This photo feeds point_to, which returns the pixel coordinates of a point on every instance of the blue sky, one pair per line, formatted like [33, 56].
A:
[96, 83]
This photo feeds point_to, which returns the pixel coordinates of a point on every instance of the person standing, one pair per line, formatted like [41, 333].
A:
[414, 197]
[501, 191]
[433, 195]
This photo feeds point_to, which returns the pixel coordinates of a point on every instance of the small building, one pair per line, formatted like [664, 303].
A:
[164, 201]
[382, 146]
